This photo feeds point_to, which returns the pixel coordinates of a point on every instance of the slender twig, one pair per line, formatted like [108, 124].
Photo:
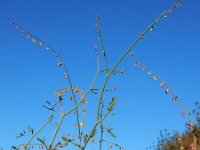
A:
[94, 128]
[167, 85]
[100, 37]
[41, 43]
[56, 131]
[35, 134]
[117, 145]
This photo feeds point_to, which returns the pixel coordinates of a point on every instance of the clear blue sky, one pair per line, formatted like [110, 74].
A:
[29, 75]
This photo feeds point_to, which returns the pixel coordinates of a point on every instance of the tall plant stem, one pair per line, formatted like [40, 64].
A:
[141, 36]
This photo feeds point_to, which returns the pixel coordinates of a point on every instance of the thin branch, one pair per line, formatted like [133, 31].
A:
[164, 83]
[100, 37]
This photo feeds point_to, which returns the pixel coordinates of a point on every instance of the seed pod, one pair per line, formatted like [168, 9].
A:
[75, 112]
[175, 99]
[33, 40]
[75, 90]
[83, 110]
[41, 146]
[48, 48]
[92, 140]
[40, 44]
[80, 124]
[167, 91]
[71, 98]
[149, 72]
[182, 112]
[162, 84]
[155, 77]
[60, 63]
[65, 75]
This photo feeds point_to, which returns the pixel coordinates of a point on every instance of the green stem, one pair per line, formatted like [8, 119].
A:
[56, 131]
[34, 135]
[93, 129]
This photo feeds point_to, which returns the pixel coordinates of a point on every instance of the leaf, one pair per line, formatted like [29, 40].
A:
[64, 144]
[111, 105]
[66, 141]
[41, 141]
[48, 102]
[112, 134]
[64, 138]
[109, 130]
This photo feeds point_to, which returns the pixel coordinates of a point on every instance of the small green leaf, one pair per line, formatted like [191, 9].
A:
[66, 141]
[41, 140]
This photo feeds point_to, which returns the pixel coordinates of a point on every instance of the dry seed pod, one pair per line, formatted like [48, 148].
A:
[175, 99]
[40, 44]
[92, 140]
[143, 68]
[83, 110]
[84, 101]
[33, 40]
[182, 112]
[190, 125]
[80, 124]
[65, 75]
[41, 146]
[167, 90]
[60, 63]
[151, 29]
[155, 77]
[149, 72]
[162, 84]
[48, 48]
[75, 90]
[71, 98]
[80, 93]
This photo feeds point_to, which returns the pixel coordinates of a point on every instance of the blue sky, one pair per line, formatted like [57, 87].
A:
[29, 75]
